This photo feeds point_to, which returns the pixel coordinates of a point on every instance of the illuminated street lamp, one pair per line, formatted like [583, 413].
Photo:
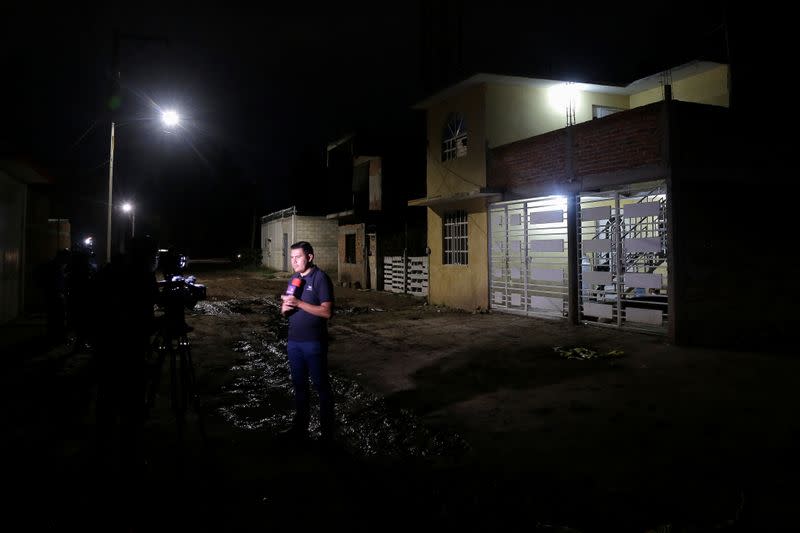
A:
[170, 118]
[128, 208]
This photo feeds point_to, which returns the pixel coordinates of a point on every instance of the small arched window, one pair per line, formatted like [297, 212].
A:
[454, 137]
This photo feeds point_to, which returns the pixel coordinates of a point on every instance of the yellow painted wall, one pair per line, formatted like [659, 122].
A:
[710, 87]
[461, 286]
[515, 112]
[463, 174]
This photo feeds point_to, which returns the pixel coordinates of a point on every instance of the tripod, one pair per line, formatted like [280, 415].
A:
[171, 340]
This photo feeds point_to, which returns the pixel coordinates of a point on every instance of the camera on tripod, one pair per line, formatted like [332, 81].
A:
[177, 292]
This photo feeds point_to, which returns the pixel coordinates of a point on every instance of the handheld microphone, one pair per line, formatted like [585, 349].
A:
[294, 287]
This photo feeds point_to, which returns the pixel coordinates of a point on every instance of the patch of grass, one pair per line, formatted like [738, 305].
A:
[585, 352]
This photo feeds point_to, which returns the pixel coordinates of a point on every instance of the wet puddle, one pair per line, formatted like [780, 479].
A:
[231, 307]
[260, 397]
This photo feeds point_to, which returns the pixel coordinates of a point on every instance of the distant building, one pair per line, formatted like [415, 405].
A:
[372, 177]
[281, 229]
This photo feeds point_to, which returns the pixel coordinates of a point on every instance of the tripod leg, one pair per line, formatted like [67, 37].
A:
[173, 380]
[192, 393]
[154, 372]
[192, 379]
[185, 375]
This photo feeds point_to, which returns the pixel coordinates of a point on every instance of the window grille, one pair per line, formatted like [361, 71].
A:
[454, 138]
[456, 241]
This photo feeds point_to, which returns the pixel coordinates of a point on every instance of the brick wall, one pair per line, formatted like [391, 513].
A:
[532, 160]
[624, 140]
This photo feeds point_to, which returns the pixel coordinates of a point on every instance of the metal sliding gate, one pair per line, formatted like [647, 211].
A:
[528, 264]
[622, 250]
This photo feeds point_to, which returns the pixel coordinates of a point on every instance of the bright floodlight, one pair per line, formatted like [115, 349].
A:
[170, 118]
[87, 241]
[562, 95]
[127, 207]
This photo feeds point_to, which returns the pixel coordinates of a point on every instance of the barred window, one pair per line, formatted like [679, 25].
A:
[350, 248]
[455, 246]
[454, 137]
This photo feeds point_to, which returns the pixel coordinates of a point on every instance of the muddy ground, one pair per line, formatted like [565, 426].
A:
[446, 419]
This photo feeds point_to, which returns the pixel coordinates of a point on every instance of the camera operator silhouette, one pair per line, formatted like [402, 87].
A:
[52, 278]
[127, 293]
[179, 293]
[81, 273]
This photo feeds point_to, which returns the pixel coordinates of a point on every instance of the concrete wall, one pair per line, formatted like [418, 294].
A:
[319, 231]
[710, 87]
[353, 273]
[461, 286]
[515, 112]
[466, 173]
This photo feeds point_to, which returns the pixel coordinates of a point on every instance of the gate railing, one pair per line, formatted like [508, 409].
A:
[405, 274]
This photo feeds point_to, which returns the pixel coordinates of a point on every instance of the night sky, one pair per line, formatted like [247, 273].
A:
[262, 91]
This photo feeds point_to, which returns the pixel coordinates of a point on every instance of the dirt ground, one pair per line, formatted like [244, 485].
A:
[446, 418]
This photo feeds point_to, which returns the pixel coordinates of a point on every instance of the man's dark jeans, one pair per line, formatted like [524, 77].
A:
[310, 358]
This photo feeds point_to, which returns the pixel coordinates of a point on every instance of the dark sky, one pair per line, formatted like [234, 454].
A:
[263, 90]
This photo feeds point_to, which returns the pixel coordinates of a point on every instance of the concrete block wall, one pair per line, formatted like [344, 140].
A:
[321, 233]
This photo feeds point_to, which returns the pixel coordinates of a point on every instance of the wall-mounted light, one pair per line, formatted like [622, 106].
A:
[564, 99]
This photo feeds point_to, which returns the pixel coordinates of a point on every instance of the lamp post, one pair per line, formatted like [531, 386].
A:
[110, 188]
[170, 118]
[128, 208]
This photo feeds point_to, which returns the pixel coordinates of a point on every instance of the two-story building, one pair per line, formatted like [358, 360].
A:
[371, 179]
[576, 201]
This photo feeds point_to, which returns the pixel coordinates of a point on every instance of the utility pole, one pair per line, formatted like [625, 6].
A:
[114, 102]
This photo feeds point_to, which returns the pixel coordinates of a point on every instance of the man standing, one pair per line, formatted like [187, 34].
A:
[125, 298]
[309, 305]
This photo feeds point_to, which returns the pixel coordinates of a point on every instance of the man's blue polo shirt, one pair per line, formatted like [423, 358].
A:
[316, 289]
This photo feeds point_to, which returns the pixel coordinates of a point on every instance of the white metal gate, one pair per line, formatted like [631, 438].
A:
[528, 264]
[622, 253]
[406, 274]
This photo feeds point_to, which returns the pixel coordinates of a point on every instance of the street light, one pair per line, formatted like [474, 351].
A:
[170, 118]
[128, 208]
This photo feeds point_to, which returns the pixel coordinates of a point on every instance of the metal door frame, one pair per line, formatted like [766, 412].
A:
[528, 264]
[624, 283]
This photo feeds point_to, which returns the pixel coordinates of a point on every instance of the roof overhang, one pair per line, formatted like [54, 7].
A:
[488, 195]
[22, 172]
[650, 82]
[334, 144]
[341, 214]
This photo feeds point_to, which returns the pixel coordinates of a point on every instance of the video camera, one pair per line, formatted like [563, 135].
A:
[182, 291]
[177, 292]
